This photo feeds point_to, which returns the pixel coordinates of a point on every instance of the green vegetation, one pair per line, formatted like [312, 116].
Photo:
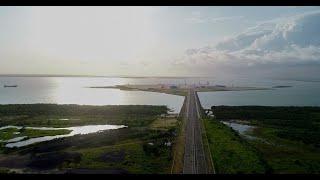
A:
[50, 115]
[287, 137]
[206, 148]
[165, 123]
[135, 156]
[4, 170]
[118, 151]
[144, 147]
[230, 153]
[9, 133]
[295, 123]
[286, 156]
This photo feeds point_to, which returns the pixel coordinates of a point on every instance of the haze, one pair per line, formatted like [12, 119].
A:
[282, 42]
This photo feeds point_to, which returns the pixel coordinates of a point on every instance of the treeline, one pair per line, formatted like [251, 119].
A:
[67, 110]
[295, 123]
[296, 117]
[263, 112]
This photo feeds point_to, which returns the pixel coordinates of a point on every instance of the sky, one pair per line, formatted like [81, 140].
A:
[161, 41]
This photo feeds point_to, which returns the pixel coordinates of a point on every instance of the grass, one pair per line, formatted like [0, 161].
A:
[231, 155]
[4, 170]
[288, 137]
[130, 157]
[207, 149]
[286, 156]
[163, 123]
[49, 115]
[7, 134]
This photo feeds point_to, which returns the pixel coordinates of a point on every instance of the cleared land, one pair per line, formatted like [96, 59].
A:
[164, 123]
[144, 147]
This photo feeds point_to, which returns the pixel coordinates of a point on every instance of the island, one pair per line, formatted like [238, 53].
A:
[180, 90]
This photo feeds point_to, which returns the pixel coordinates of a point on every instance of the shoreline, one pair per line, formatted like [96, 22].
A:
[174, 90]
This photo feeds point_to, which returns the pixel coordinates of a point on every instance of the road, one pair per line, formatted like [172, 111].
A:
[194, 155]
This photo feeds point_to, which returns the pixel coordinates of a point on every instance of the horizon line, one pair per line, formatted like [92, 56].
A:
[110, 76]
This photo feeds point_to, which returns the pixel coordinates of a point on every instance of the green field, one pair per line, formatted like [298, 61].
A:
[230, 153]
[50, 115]
[286, 137]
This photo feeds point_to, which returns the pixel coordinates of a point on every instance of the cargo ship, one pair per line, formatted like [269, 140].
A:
[6, 86]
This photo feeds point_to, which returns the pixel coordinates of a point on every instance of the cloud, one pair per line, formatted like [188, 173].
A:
[144, 63]
[197, 18]
[194, 20]
[287, 41]
[222, 19]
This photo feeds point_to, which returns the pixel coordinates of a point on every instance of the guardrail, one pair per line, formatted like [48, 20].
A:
[200, 115]
[181, 130]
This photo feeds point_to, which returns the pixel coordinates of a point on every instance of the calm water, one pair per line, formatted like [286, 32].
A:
[72, 90]
[300, 94]
[16, 142]
[241, 129]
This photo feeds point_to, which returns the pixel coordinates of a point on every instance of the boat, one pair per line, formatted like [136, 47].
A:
[5, 86]
[281, 86]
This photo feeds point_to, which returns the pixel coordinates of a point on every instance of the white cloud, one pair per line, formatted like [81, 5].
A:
[197, 18]
[222, 19]
[286, 41]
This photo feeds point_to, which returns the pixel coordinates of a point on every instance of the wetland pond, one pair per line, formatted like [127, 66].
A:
[240, 128]
[19, 141]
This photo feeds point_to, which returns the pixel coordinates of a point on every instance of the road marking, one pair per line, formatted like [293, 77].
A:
[195, 160]
[210, 156]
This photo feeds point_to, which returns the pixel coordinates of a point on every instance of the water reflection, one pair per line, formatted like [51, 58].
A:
[300, 94]
[74, 131]
[240, 128]
[72, 90]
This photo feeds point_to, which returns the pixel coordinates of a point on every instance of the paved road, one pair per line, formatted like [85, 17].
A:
[194, 155]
